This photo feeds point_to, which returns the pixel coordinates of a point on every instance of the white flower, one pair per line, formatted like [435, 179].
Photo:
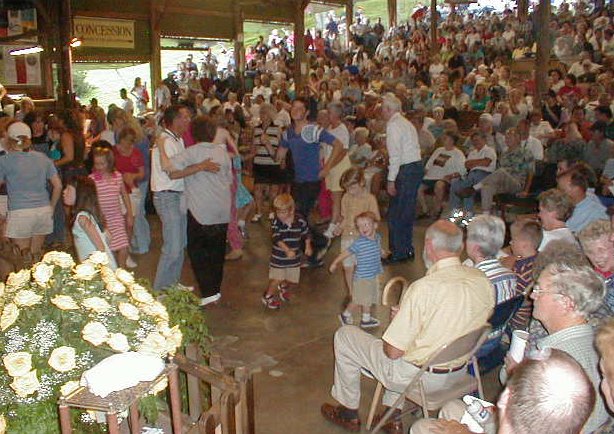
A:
[95, 332]
[62, 259]
[26, 297]
[159, 386]
[129, 311]
[42, 273]
[173, 340]
[97, 304]
[2, 289]
[156, 309]
[26, 384]
[65, 302]
[118, 342]
[69, 387]
[154, 344]
[85, 271]
[107, 273]
[124, 276]
[99, 258]
[18, 364]
[2, 424]
[141, 295]
[62, 359]
[9, 316]
[115, 286]
[17, 280]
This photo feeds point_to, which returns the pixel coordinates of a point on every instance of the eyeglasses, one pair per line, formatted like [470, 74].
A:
[537, 290]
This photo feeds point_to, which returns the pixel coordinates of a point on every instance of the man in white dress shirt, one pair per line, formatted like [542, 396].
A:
[405, 173]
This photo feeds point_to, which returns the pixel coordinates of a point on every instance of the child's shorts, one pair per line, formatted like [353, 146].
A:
[291, 275]
[365, 292]
[346, 242]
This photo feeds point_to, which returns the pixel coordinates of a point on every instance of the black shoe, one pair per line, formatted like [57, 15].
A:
[391, 260]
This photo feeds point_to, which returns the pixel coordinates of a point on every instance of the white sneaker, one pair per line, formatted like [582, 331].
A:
[211, 299]
[130, 262]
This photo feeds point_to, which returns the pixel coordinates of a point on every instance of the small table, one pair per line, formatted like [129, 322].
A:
[126, 399]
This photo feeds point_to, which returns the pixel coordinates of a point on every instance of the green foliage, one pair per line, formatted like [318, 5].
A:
[82, 88]
[184, 311]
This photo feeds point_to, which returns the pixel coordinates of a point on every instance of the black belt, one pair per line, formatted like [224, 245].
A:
[168, 191]
[434, 370]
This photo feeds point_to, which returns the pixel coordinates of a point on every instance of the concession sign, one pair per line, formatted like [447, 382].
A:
[103, 32]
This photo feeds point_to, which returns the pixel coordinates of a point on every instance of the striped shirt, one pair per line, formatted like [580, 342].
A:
[368, 253]
[263, 157]
[501, 278]
[292, 235]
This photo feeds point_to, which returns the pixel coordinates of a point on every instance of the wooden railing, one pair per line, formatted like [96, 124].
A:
[232, 396]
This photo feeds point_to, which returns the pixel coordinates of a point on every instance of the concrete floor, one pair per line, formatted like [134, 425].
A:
[292, 347]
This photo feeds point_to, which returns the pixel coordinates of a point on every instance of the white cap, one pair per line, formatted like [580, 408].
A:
[17, 130]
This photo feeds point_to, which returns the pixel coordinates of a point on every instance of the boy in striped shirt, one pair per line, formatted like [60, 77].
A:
[365, 288]
[290, 233]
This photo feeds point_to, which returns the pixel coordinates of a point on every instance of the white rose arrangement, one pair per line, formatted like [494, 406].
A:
[59, 319]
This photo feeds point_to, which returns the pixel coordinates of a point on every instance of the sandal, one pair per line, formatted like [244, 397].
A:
[333, 414]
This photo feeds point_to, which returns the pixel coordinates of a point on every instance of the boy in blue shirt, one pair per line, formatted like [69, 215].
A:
[368, 252]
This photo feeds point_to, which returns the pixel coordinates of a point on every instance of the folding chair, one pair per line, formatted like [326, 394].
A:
[463, 348]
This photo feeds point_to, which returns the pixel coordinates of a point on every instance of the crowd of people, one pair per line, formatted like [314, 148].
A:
[384, 129]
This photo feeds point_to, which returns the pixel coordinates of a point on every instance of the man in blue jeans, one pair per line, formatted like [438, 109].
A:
[168, 199]
[303, 140]
[405, 172]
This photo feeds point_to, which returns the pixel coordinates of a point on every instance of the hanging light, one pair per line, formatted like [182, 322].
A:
[75, 42]
[24, 51]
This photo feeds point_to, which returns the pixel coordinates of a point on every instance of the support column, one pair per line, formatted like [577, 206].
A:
[523, 10]
[238, 43]
[392, 13]
[434, 44]
[349, 21]
[66, 96]
[299, 46]
[155, 63]
[543, 52]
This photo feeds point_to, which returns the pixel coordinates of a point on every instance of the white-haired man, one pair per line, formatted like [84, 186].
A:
[419, 326]
[405, 173]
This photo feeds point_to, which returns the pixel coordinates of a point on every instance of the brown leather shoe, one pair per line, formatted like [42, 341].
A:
[394, 424]
[333, 414]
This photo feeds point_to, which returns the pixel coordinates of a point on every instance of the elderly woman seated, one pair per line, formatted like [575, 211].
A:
[555, 207]
[444, 165]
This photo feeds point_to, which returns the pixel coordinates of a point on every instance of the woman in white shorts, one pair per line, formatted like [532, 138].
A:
[30, 211]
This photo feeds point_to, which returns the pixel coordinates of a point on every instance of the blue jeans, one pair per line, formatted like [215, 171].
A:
[472, 178]
[402, 211]
[141, 237]
[174, 237]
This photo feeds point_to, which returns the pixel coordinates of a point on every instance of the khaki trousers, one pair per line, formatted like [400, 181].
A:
[356, 349]
[500, 181]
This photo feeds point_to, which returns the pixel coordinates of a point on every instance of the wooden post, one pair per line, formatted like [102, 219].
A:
[392, 13]
[65, 30]
[299, 46]
[543, 52]
[349, 21]
[434, 44]
[238, 43]
[194, 399]
[155, 65]
[523, 10]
